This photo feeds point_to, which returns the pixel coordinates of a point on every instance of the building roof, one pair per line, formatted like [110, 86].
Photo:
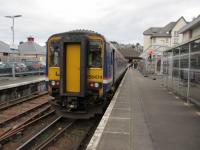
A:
[4, 48]
[191, 25]
[31, 48]
[152, 30]
[162, 31]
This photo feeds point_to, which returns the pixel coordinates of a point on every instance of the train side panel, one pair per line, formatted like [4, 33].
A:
[120, 65]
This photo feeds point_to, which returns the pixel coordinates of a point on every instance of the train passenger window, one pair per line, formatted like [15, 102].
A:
[94, 54]
[54, 56]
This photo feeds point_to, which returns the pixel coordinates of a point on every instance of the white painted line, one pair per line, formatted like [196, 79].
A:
[126, 133]
[122, 118]
[98, 133]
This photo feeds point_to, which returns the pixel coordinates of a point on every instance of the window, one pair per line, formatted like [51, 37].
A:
[94, 54]
[167, 40]
[54, 56]
[175, 40]
[175, 33]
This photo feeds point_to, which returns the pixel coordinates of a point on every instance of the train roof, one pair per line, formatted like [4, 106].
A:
[80, 32]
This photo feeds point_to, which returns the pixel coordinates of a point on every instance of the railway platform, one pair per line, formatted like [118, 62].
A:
[15, 88]
[6, 83]
[144, 116]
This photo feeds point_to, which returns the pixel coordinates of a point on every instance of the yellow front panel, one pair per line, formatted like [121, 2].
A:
[54, 73]
[95, 75]
[73, 68]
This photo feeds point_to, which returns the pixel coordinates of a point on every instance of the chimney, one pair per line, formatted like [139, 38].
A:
[30, 39]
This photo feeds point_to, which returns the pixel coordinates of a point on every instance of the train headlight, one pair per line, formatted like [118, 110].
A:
[57, 83]
[53, 83]
[91, 85]
[96, 85]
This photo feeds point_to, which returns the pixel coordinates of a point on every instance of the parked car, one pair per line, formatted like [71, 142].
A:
[23, 67]
[18, 67]
[5, 68]
[43, 65]
[33, 65]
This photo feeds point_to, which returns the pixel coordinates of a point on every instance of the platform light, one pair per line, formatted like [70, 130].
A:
[13, 24]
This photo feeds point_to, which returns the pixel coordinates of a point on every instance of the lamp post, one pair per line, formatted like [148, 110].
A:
[12, 27]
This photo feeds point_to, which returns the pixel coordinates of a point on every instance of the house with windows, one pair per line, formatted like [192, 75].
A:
[158, 39]
[167, 36]
[191, 30]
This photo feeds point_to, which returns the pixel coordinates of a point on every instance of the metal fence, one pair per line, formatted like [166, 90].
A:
[181, 70]
[12, 66]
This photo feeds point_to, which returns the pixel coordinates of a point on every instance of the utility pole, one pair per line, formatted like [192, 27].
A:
[13, 26]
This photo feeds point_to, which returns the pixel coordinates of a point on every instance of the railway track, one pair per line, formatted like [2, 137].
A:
[32, 124]
[40, 115]
[58, 133]
[73, 138]
[19, 135]
[47, 134]
[61, 134]
[17, 101]
[15, 115]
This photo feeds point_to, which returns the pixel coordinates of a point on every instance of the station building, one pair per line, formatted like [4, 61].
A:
[4, 49]
[159, 39]
[32, 49]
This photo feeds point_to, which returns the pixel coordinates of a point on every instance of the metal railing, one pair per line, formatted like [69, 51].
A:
[11, 66]
[181, 70]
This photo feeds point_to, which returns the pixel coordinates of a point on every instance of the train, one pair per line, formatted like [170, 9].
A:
[83, 69]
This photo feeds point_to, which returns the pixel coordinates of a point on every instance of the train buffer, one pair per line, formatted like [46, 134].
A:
[144, 116]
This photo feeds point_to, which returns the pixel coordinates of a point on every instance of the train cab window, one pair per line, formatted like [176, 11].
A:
[94, 54]
[54, 56]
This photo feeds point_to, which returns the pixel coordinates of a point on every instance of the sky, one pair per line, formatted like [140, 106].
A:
[123, 21]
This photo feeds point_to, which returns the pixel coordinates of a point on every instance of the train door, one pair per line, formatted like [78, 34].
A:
[73, 68]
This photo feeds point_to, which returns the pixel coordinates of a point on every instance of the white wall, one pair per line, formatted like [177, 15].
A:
[177, 39]
[196, 32]
[147, 41]
[186, 36]
[165, 41]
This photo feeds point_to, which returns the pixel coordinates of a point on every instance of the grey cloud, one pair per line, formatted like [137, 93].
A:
[122, 20]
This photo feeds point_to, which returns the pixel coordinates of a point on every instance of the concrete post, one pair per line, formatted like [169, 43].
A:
[13, 70]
